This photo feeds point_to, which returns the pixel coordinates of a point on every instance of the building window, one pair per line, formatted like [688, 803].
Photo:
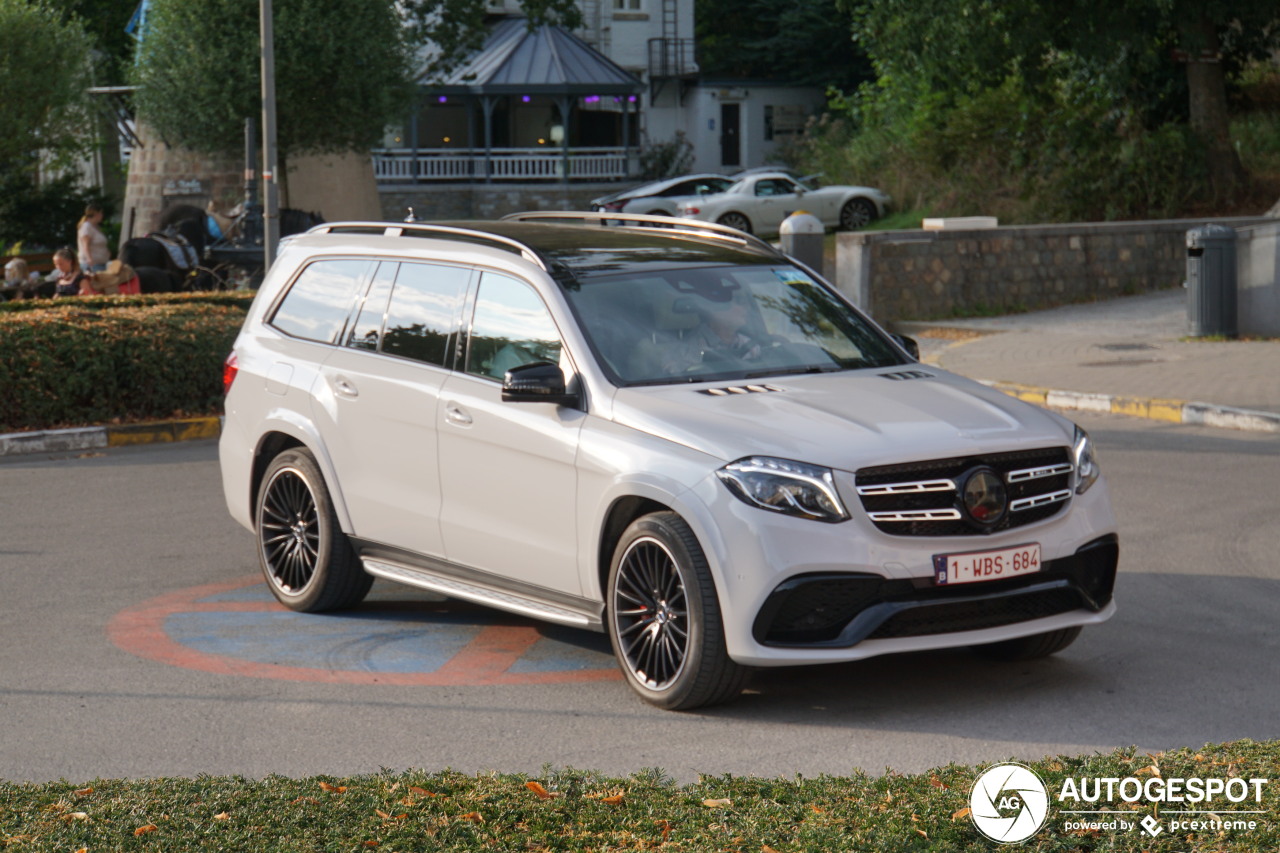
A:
[627, 5]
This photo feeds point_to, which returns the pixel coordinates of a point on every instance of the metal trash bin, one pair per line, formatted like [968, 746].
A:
[1211, 281]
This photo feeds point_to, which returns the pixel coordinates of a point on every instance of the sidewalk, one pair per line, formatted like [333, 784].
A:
[1125, 356]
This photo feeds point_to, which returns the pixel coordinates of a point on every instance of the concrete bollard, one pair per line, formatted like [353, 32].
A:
[802, 237]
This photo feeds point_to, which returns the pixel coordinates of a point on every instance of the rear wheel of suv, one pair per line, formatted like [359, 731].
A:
[664, 618]
[306, 558]
[1030, 648]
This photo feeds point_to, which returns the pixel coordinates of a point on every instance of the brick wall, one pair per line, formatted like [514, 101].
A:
[926, 275]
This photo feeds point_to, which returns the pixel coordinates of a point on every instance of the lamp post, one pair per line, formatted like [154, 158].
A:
[270, 186]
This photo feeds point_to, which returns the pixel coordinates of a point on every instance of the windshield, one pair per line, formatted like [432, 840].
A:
[691, 325]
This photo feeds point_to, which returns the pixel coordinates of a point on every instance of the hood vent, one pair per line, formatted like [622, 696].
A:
[903, 375]
[731, 390]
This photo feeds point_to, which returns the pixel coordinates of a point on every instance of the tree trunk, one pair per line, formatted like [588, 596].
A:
[1206, 82]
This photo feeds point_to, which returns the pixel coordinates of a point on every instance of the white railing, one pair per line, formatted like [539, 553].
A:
[393, 165]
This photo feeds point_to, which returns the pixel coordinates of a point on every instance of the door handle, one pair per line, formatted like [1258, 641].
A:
[343, 387]
[455, 415]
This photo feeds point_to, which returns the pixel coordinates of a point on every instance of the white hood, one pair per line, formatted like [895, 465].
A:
[846, 420]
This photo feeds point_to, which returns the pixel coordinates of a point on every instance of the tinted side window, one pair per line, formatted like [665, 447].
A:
[367, 330]
[318, 303]
[511, 327]
[424, 304]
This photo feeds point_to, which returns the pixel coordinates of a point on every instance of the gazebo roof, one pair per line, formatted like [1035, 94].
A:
[546, 61]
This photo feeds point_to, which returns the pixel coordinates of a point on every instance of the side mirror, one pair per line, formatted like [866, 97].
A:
[539, 382]
[908, 344]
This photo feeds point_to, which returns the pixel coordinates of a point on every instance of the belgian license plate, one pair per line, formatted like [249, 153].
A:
[978, 566]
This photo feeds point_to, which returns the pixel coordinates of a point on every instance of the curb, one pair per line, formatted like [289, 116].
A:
[1171, 411]
[117, 435]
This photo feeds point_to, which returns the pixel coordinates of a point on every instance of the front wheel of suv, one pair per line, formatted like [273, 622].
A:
[306, 558]
[664, 618]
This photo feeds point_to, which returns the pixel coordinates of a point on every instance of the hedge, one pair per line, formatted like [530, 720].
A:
[111, 359]
[573, 811]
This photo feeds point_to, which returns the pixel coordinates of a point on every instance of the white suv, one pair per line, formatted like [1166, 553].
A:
[674, 434]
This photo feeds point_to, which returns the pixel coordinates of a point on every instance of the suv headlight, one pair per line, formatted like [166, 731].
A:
[1086, 461]
[780, 485]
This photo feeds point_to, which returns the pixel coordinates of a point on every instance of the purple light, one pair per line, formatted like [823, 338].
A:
[525, 99]
[631, 99]
[444, 99]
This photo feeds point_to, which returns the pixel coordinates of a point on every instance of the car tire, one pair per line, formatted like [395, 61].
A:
[664, 617]
[1029, 648]
[856, 214]
[307, 560]
[736, 220]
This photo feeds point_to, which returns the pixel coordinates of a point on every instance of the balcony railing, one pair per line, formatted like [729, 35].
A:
[393, 165]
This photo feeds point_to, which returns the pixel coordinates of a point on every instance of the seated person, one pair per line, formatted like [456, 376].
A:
[67, 274]
[721, 336]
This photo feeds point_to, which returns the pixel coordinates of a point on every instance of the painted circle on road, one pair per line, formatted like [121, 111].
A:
[238, 628]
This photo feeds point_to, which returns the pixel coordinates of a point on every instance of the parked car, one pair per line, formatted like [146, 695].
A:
[672, 435]
[659, 198]
[759, 201]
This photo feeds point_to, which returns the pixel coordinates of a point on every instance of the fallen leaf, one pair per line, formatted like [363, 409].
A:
[474, 817]
[333, 789]
[767, 849]
[312, 800]
[964, 812]
[816, 810]
[717, 804]
[143, 830]
[83, 850]
[422, 792]
[666, 829]
[222, 816]
[613, 801]
[75, 816]
[371, 844]
[1152, 770]
[922, 833]
[938, 783]
[83, 792]
[541, 792]
[380, 813]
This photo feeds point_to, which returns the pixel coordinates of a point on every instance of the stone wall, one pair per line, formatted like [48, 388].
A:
[160, 174]
[926, 275]
[487, 201]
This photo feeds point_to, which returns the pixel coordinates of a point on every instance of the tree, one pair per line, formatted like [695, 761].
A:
[43, 75]
[342, 72]
[780, 40]
[962, 46]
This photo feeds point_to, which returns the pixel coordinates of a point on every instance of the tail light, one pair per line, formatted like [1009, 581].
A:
[614, 206]
[690, 211]
[230, 368]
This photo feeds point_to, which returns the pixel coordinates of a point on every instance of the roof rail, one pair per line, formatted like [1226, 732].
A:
[693, 227]
[423, 229]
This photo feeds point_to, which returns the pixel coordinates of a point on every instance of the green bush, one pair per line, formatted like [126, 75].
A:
[97, 360]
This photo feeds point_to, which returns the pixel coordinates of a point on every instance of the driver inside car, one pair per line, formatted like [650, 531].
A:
[723, 334]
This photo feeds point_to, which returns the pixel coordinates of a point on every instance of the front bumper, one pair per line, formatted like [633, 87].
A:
[840, 610]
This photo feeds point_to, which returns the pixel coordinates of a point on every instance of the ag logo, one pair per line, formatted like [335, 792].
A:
[1009, 803]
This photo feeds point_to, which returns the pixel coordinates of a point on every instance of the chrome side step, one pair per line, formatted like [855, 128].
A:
[455, 588]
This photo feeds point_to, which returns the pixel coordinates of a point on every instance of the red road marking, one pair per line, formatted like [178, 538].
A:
[139, 630]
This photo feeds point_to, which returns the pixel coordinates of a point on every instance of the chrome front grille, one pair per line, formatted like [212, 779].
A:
[925, 498]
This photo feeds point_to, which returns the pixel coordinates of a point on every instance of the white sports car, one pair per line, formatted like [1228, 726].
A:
[758, 203]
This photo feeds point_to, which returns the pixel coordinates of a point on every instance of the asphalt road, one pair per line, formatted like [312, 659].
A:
[88, 544]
